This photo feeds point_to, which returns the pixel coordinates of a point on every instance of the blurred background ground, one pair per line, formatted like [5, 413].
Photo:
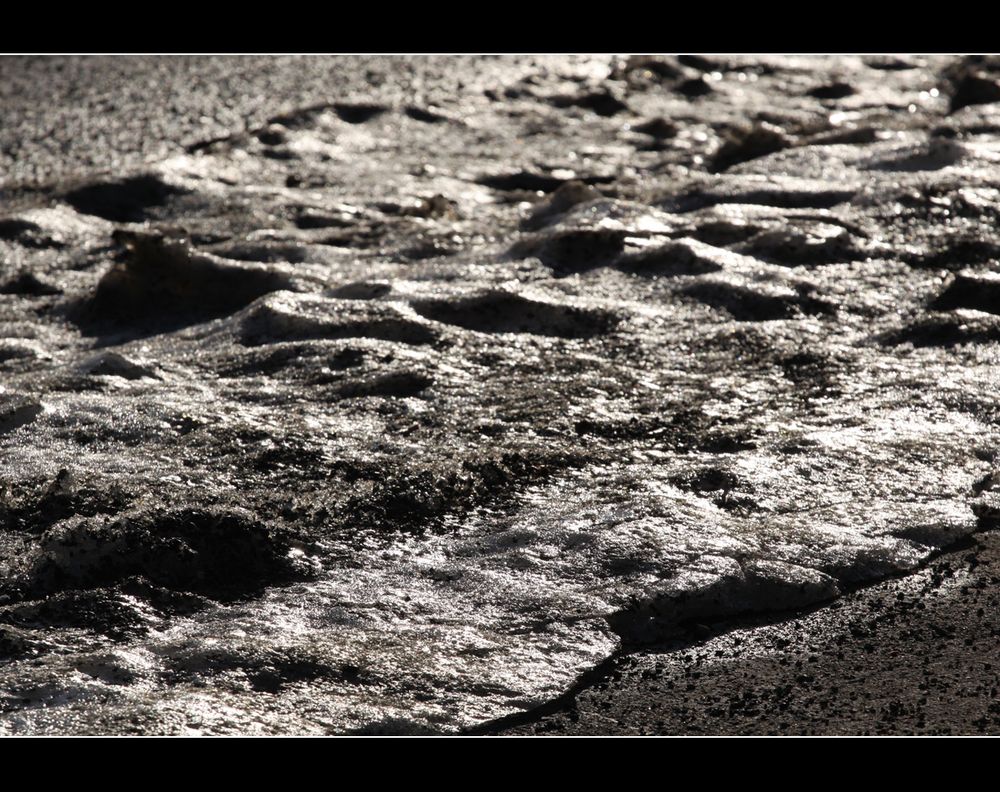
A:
[63, 114]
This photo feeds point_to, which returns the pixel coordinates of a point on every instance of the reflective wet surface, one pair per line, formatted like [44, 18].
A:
[394, 416]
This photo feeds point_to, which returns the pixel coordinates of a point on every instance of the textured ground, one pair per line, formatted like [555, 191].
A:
[398, 395]
[913, 656]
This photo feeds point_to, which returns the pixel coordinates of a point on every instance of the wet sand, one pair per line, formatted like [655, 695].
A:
[585, 395]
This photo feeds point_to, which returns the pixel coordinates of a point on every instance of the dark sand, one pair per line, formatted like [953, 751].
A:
[915, 656]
